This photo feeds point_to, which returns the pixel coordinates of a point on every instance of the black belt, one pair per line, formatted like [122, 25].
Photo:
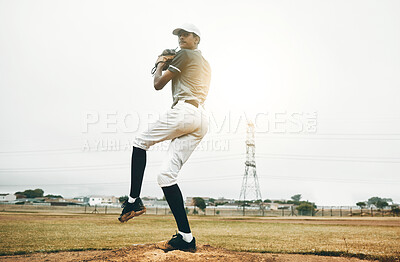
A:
[192, 102]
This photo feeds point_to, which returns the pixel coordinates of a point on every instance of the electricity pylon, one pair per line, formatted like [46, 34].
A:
[250, 186]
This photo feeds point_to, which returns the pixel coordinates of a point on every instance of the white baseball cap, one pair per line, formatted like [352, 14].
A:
[190, 28]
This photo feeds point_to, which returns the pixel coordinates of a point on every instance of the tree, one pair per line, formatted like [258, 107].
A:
[29, 193]
[53, 196]
[296, 198]
[199, 202]
[122, 199]
[395, 210]
[306, 208]
[388, 200]
[373, 200]
[378, 201]
[258, 201]
[267, 201]
[381, 204]
[220, 203]
[361, 204]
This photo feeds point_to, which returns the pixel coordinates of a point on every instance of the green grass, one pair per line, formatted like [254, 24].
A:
[22, 233]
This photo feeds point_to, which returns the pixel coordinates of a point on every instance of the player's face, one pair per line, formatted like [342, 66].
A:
[187, 40]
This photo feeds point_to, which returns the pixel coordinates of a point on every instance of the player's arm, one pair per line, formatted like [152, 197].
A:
[160, 79]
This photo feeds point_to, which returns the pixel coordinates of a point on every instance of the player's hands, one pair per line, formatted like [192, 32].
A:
[167, 54]
[163, 58]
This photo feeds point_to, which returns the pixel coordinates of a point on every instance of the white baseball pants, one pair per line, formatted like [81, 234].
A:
[185, 125]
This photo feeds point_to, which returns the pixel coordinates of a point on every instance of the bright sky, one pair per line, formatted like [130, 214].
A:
[282, 64]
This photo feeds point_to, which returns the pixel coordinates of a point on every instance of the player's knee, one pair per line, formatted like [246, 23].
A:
[166, 179]
[142, 143]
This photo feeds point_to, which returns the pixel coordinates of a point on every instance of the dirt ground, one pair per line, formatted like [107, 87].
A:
[150, 253]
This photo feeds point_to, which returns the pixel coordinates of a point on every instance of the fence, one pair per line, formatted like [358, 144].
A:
[209, 211]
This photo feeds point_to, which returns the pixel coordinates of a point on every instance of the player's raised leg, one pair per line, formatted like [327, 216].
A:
[169, 126]
[133, 206]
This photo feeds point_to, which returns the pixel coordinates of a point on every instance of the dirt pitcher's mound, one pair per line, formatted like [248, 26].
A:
[149, 253]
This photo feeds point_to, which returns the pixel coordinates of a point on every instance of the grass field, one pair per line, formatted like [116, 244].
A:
[22, 233]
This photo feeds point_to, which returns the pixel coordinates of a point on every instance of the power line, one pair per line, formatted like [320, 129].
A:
[229, 178]
[333, 138]
[332, 158]
[64, 151]
[259, 135]
[114, 166]
[211, 159]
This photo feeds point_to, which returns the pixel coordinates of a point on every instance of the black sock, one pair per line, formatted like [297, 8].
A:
[173, 195]
[138, 165]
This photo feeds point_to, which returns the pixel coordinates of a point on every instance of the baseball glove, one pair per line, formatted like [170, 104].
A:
[169, 54]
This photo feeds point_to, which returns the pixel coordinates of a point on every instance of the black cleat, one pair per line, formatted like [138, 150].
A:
[131, 210]
[177, 243]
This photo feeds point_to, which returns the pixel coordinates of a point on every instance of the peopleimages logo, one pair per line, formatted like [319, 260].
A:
[112, 122]
[109, 126]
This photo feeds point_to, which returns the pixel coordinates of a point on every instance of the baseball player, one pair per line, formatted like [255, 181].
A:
[185, 124]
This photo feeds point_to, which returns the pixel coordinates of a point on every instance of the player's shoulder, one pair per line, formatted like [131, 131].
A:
[189, 56]
[182, 55]
[189, 52]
